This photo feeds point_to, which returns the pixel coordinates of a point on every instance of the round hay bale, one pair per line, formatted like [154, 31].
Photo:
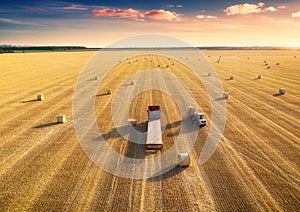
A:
[108, 91]
[96, 78]
[132, 122]
[268, 67]
[278, 64]
[158, 65]
[61, 119]
[225, 95]
[40, 97]
[231, 77]
[132, 82]
[184, 159]
[282, 91]
[209, 74]
[190, 110]
[259, 76]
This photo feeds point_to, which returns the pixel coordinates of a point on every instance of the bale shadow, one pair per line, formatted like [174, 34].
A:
[220, 99]
[228, 79]
[128, 84]
[102, 94]
[45, 125]
[277, 94]
[28, 101]
[171, 173]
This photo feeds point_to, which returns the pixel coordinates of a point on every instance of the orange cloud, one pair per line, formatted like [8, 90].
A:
[296, 14]
[137, 14]
[243, 9]
[162, 15]
[128, 13]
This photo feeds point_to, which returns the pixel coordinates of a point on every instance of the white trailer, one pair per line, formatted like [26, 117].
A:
[154, 140]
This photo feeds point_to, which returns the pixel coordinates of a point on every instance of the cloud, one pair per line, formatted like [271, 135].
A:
[205, 17]
[281, 7]
[128, 13]
[11, 21]
[211, 17]
[296, 14]
[31, 9]
[137, 14]
[76, 7]
[162, 15]
[243, 9]
[271, 9]
[177, 6]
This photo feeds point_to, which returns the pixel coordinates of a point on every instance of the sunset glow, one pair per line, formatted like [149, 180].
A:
[202, 23]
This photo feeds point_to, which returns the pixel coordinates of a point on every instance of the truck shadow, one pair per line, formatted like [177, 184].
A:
[142, 127]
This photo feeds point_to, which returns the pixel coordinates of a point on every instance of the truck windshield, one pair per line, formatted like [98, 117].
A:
[201, 116]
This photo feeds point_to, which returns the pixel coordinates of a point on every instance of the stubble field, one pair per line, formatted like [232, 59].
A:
[255, 167]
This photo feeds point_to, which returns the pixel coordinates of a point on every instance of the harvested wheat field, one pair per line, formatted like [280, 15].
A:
[255, 167]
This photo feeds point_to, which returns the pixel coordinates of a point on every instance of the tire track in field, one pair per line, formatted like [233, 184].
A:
[264, 146]
[286, 103]
[41, 175]
[28, 132]
[188, 182]
[116, 179]
[258, 104]
[252, 137]
[15, 126]
[274, 132]
[39, 79]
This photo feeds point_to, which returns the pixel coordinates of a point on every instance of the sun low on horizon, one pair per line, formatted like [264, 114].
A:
[95, 23]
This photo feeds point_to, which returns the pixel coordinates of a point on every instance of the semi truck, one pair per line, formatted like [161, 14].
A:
[154, 139]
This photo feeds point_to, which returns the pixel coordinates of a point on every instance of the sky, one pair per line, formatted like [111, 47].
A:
[95, 23]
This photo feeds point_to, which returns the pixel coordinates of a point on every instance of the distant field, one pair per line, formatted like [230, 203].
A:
[255, 167]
